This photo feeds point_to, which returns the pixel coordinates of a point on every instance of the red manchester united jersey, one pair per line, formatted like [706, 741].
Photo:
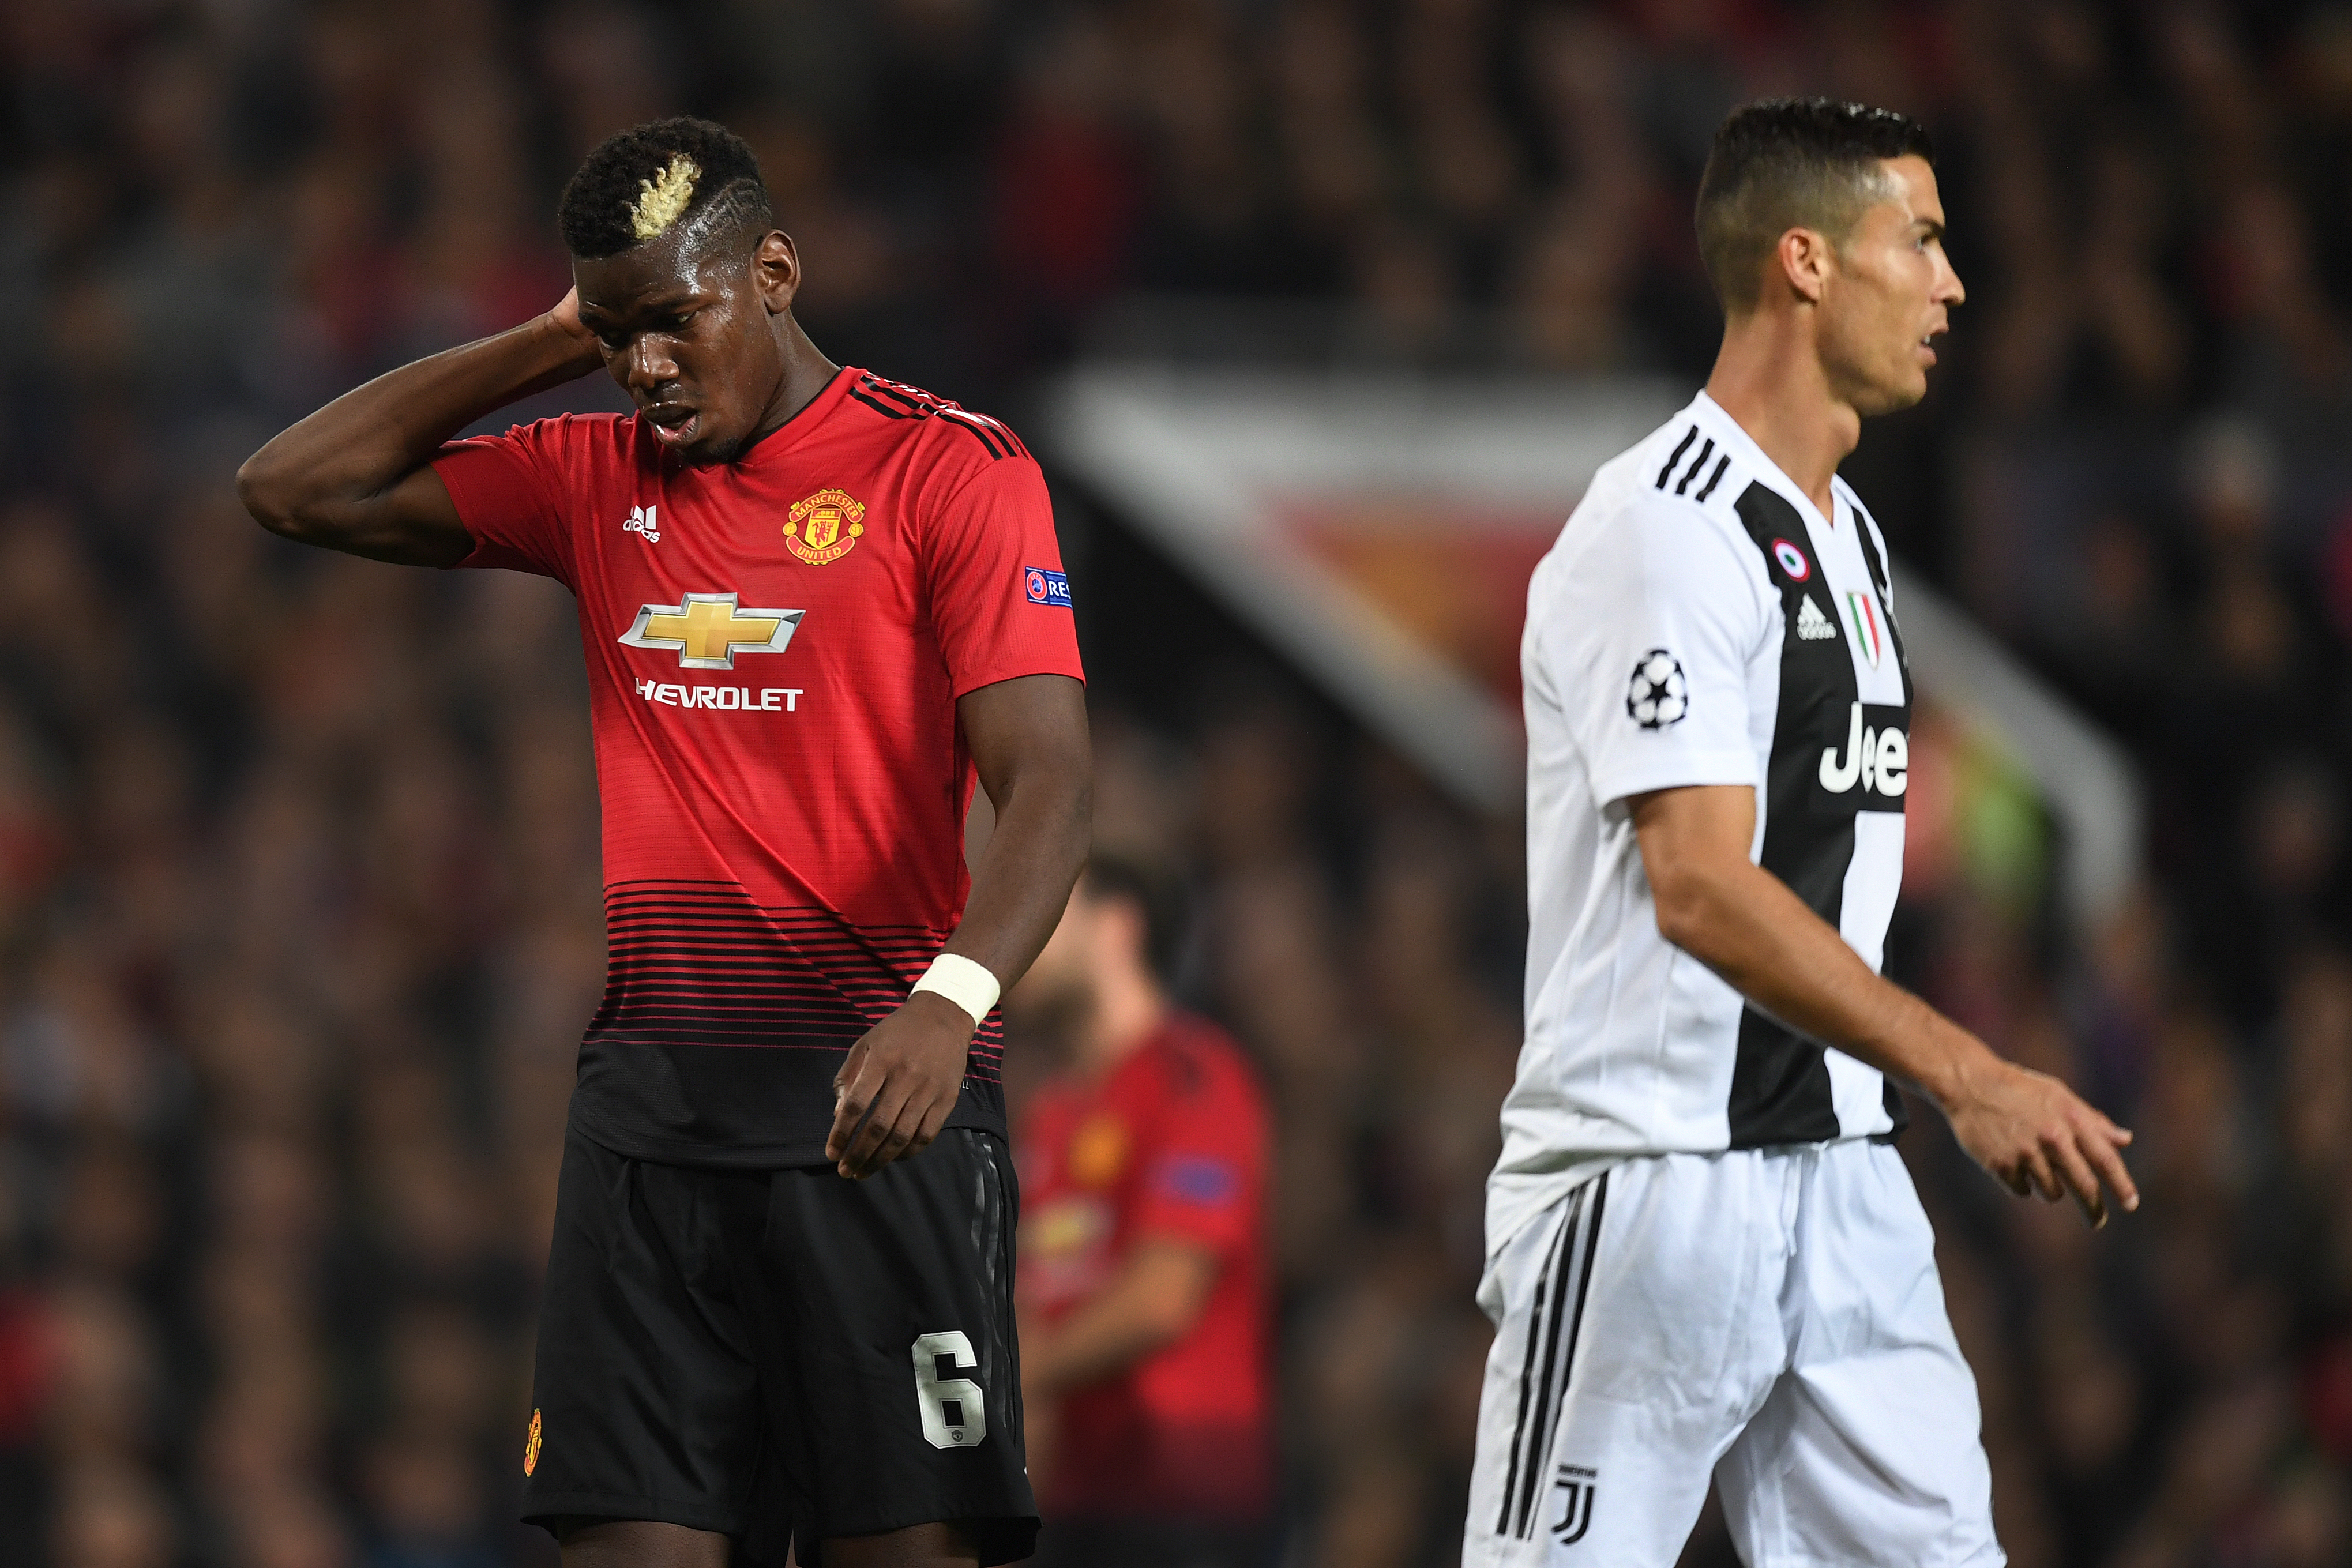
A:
[775, 646]
[1171, 1143]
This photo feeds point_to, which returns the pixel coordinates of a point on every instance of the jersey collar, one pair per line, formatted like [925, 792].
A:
[796, 429]
[1730, 436]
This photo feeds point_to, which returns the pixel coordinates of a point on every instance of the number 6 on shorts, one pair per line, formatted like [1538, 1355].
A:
[955, 1416]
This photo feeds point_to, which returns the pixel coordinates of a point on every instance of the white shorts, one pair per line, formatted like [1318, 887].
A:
[1771, 1318]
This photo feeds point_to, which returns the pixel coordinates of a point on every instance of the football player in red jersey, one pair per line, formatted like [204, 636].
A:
[1144, 1271]
[815, 604]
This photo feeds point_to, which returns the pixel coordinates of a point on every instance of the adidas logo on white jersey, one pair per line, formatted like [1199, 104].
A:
[1812, 624]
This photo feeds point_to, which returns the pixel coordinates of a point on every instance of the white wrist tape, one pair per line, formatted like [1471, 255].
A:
[968, 985]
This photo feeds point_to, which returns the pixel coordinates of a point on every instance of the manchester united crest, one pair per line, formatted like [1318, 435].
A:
[530, 1445]
[1098, 1152]
[824, 528]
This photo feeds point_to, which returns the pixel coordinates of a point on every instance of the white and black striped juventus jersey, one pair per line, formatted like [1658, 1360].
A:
[1697, 622]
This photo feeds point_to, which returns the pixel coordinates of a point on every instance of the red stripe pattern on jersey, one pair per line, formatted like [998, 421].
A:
[700, 963]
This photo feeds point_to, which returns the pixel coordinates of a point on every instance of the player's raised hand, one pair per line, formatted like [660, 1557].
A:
[898, 1085]
[566, 317]
[2036, 1135]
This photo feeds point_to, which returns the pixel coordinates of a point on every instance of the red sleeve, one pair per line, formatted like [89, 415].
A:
[509, 490]
[1203, 1179]
[999, 599]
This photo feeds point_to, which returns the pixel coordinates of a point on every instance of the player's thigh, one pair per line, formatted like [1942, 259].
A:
[916, 1546]
[1637, 1330]
[1868, 1451]
[893, 1311]
[646, 1396]
[634, 1543]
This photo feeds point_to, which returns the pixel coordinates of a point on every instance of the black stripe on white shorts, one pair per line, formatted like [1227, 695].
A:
[1554, 1321]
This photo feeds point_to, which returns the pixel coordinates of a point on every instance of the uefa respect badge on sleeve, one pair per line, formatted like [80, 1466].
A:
[1048, 588]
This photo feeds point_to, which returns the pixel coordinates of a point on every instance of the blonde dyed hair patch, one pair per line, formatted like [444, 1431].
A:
[664, 197]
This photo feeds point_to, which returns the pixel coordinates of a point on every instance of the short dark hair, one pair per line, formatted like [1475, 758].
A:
[641, 183]
[1156, 895]
[1786, 163]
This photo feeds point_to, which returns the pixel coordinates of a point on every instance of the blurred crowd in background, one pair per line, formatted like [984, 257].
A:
[300, 908]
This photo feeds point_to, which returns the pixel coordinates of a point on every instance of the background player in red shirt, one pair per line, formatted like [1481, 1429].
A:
[813, 603]
[1144, 1275]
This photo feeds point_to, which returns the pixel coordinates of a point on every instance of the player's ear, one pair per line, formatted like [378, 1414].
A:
[776, 270]
[1804, 259]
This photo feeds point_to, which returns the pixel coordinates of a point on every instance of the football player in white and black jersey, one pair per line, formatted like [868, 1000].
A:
[1705, 1257]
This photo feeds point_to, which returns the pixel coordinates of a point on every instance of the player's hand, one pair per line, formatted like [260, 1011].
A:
[2036, 1135]
[898, 1085]
[566, 317]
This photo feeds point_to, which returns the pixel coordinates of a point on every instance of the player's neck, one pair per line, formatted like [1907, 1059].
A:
[1127, 1010]
[807, 372]
[1769, 379]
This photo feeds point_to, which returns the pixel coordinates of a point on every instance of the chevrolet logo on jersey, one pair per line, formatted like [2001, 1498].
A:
[707, 631]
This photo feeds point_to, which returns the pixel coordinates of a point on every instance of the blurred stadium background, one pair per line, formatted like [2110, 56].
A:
[299, 913]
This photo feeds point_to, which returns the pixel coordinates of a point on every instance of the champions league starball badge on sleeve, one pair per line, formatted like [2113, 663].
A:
[1659, 694]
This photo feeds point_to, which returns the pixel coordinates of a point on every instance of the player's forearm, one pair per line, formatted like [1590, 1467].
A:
[312, 478]
[1152, 1303]
[1025, 876]
[1746, 925]
[1029, 738]
[1101, 1340]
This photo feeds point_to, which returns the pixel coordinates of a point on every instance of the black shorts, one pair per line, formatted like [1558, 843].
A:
[783, 1355]
[1155, 1544]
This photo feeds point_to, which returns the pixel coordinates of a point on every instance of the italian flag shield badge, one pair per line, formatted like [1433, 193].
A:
[1862, 609]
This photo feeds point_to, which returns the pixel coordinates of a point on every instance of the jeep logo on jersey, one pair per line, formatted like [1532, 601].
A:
[706, 631]
[1878, 757]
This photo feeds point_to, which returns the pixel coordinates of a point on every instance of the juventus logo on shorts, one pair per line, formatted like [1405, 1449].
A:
[1576, 1486]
